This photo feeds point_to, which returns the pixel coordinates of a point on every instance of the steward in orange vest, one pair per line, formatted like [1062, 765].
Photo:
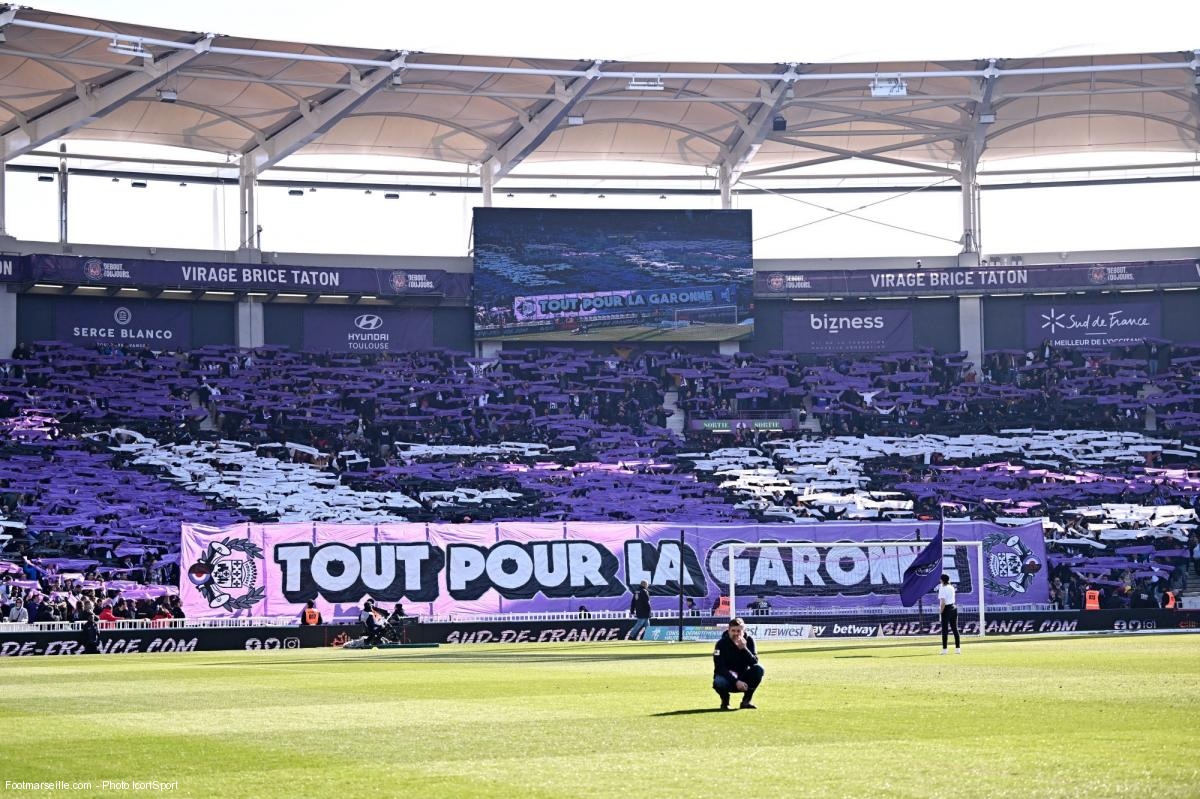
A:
[721, 607]
[1091, 599]
[1168, 601]
[310, 615]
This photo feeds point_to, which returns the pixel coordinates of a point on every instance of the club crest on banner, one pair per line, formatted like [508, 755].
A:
[228, 581]
[93, 269]
[1011, 565]
[413, 281]
[775, 282]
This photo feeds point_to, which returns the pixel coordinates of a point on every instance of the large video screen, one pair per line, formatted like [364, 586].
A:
[612, 275]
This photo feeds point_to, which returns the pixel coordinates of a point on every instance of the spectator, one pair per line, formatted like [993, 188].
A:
[107, 617]
[18, 614]
[760, 607]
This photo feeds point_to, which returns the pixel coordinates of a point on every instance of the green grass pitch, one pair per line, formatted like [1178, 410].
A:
[1047, 717]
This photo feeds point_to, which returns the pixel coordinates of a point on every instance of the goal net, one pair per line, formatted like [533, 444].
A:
[709, 315]
[849, 589]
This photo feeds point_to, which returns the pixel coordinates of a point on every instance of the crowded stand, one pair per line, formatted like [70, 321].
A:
[107, 451]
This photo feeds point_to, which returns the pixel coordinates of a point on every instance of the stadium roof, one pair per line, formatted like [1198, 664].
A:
[74, 77]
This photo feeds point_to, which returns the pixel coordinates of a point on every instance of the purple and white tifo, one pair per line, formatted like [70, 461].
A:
[516, 567]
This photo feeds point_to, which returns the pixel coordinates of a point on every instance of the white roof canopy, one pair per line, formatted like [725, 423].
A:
[72, 77]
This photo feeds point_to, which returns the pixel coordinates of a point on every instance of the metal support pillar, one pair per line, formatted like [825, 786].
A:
[8, 322]
[970, 329]
[250, 329]
[970, 205]
[62, 194]
[3, 209]
[724, 175]
[486, 182]
[248, 228]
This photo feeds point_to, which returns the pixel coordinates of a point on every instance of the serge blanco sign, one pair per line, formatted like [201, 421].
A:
[158, 325]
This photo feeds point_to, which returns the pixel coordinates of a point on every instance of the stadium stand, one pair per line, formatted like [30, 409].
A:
[107, 450]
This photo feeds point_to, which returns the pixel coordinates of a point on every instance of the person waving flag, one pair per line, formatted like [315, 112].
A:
[923, 573]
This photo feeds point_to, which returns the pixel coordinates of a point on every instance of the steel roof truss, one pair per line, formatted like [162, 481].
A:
[96, 102]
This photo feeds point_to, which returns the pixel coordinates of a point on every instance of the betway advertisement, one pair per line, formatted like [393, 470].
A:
[1118, 324]
[510, 567]
[140, 323]
[364, 329]
[847, 330]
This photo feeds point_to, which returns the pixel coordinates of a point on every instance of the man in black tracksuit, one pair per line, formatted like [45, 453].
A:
[735, 665]
[639, 606]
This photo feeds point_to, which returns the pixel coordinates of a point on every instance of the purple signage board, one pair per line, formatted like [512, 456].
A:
[110, 271]
[530, 567]
[364, 330]
[979, 280]
[1115, 324]
[156, 325]
[848, 330]
[12, 268]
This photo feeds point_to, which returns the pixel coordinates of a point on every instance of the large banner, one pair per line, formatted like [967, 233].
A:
[512, 567]
[566, 306]
[848, 330]
[107, 271]
[543, 270]
[161, 325]
[362, 329]
[977, 280]
[1118, 324]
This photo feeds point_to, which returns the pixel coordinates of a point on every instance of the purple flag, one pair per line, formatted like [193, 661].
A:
[924, 572]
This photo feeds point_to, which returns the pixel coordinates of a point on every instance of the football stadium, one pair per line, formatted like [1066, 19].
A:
[643, 414]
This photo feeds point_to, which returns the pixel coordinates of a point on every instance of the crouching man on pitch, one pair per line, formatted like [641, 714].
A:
[735, 665]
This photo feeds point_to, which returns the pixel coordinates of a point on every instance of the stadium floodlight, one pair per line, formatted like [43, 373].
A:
[889, 87]
[637, 84]
[575, 119]
[135, 49]
[167, 95]
[880, 563]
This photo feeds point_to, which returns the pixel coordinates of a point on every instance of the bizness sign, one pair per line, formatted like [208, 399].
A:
[848, 330]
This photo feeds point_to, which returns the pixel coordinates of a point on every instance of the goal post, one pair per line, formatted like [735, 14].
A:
[709, 314]
[856, 582]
